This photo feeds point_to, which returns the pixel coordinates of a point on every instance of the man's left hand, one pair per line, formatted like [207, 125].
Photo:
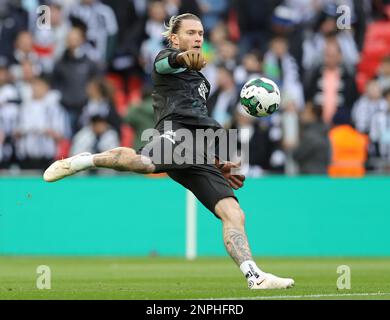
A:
[236, 181]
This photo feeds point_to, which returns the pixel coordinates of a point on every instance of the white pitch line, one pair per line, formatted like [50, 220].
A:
[303, 296]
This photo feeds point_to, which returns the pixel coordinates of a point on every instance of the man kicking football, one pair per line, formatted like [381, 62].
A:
[180, 93]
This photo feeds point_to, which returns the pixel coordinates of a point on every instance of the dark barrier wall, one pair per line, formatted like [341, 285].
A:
[140, 216]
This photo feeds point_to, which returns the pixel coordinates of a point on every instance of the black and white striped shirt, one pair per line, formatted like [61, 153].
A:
[380, 132]
[36, 117]
[101, 22]
[364, 110]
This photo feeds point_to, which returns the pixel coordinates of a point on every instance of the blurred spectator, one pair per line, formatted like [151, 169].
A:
[281, 67]
[376, 9]
[253, 133]
[67, 5]
[331, 85]
[71, 75]
[314, 45]
[176, 7]
[380, 131]
[384, 74]
[212, 12]
[24, 84]
[28, 9]
[254, 24]
[217, 35]
[227, 54]
[357, 15]
[290, 129]
[153, 41]
[360, 17]
[42, 124]
[250, 67]
[210, 47]
[100, 102]
[102, 27]
[97, 137]
[313, 151]
[288, 20]
[366, 106]
[130, 16]
[277, 158]
[141, 117]
[9, 112]
[13, 20]
[298, 11]
[349, 149]
[24, 51]
[224, 99]
[172, 7]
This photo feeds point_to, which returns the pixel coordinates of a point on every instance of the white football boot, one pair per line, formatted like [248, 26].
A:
[64, 168]
[269, 281]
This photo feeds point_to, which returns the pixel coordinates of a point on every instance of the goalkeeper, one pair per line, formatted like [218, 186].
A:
[179, 100]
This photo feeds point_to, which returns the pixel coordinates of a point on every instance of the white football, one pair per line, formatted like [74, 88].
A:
[260, 97]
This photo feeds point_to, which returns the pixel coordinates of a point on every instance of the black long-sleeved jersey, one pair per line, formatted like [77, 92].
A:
[179, 94]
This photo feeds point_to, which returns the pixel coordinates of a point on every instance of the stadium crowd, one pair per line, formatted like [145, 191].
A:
[81, 80]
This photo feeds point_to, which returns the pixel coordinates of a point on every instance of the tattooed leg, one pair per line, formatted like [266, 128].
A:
[234, 236]
[123, 159]
[236, 244]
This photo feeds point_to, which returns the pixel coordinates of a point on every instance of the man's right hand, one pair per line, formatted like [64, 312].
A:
[191, 59]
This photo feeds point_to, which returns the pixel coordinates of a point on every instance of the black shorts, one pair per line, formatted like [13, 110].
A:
[204, 180]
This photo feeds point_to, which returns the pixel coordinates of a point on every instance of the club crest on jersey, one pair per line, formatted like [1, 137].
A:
[203, 90]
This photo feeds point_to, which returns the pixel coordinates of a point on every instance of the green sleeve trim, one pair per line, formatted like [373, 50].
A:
[163, 67]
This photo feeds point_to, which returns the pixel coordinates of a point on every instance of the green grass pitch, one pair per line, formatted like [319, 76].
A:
[176, 278]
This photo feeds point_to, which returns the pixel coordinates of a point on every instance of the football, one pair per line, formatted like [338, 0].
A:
[260, 97]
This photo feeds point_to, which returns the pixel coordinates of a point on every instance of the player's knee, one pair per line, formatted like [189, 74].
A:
[230, 212]
[236, 216]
